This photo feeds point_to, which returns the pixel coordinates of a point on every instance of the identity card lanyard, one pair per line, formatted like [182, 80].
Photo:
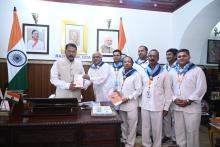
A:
[180, 78]
[149, 82]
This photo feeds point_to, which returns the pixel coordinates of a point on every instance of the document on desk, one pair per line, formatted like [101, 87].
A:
[78, 80]
[102, 111]
[115, 98]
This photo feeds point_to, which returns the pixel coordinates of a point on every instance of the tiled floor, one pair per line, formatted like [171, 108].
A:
[204, 140]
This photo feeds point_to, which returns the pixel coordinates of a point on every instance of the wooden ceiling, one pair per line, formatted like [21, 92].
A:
[153, 5]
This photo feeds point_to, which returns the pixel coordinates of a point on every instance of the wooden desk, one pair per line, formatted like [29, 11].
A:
[214, 128]
[60, 131]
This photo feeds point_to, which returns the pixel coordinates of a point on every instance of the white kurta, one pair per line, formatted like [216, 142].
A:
[153, 105]
[130, 88]
[102, 81]
[62, 75]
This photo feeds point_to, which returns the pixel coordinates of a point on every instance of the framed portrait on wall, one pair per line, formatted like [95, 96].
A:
[36, 38]
[213, 51]
[107, 41]
[73, 32]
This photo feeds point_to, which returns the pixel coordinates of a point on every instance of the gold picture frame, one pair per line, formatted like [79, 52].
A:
[74, 32]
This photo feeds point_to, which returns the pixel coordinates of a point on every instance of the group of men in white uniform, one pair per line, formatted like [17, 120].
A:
[147, 89]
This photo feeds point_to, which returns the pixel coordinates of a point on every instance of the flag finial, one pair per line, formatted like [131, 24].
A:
[15, 9]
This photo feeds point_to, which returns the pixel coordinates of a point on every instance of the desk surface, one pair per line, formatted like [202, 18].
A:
[72, 130]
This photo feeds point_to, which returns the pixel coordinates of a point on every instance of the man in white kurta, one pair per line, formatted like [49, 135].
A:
[130, 88]
[168, 120]
[62, 74]
[100, 75]
[189, 86]
[140, 65]
[156, 98]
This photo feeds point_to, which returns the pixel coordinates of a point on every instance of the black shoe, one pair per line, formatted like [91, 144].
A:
[165, 139]
[174, 142]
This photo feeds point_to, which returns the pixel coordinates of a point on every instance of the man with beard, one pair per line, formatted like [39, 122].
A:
[156, 99]
[62, 74]
[107, 46]
[188, 86]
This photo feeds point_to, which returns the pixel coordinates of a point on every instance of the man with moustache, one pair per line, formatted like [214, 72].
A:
[140, 65]
[62, 74]
[156, 99]
[100, 75]
[188, 86]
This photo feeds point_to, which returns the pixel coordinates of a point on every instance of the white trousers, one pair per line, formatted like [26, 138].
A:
[129, 126]
[168, 125]
[151, 121]
[139, 125]
[187, 128]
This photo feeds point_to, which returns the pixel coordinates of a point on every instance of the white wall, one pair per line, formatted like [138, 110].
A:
[192, 26]
[158, 30]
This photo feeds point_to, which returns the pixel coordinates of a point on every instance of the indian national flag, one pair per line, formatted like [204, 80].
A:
[16, 57]
[12, 96]
[122, 37]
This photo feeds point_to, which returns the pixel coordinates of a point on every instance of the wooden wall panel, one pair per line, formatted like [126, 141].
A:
[39, 85]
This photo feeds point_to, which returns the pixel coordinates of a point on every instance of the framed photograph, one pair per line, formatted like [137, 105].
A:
[213, 51]
[73, 32]
[36, 38]
[107, 41]
[215, 95]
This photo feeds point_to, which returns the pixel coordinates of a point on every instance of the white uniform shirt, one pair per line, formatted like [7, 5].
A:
[193, 87]
[141, 70]
[130, 88]
[160, 92]
[102, 81]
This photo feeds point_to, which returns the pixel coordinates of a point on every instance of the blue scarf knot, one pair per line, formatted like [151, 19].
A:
[185, 69]
[140, 61]
[127, 73]
[118, 66]
[93, 66]
[154, 72]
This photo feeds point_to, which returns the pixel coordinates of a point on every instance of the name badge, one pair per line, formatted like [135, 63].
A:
[148, 93]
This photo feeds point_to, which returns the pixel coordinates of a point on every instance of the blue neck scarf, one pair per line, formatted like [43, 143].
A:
[118, 66]
[93, 66]
[185, 69]
[154, 72]
[140, 61]
[172, 66]
[127, 73]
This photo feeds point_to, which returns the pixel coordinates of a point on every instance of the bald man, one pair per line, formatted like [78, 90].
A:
[100, 75]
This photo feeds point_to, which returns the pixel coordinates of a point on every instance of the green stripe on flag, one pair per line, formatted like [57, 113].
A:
[19, 82]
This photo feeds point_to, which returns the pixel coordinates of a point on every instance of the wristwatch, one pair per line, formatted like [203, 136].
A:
[189, 101]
